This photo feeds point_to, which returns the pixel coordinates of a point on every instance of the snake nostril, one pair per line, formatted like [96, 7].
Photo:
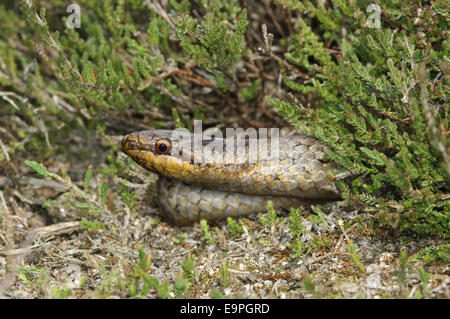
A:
[132, 145]
[128, 144]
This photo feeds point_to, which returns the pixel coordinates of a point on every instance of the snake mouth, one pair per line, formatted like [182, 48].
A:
[132, 142]
[140, 152]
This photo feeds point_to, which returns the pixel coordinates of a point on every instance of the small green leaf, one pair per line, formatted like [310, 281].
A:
[88, 178]
[102, 191]
[38, 168]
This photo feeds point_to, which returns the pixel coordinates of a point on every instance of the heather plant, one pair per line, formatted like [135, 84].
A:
[382, 105]
[215, 42]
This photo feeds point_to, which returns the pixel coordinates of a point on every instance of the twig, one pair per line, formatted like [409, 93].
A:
[16, 256]
[268, 37]
[341, 226]
[437, 135]
[46, 232]
[4, 203]
[188, 75]
[5, 96]
[159, 10]
[18, 251]
[274, 19]
[331, 253]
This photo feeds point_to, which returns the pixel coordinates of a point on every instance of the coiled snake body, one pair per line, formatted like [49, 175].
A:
[227, 179]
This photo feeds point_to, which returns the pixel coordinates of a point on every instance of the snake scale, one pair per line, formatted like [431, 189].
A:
[227, 180]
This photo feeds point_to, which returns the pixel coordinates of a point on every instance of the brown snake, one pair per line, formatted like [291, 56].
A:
[234, 184]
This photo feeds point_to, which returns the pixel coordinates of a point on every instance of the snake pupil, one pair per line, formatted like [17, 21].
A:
[162, 148]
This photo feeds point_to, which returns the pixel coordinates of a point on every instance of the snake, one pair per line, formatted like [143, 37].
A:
[208, 177]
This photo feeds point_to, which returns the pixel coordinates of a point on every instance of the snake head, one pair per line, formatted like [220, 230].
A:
[160, 151]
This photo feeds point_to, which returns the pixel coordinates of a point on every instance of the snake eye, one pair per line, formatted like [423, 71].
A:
[162, 146]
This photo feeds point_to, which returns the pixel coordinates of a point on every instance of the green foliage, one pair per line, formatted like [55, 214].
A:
[82, 282]
[181, 286]
[87, 178]
[128, 197]
[217, 294]
[381, 105]
[92, 225]
[270, 218]
[188, 266]
[33, 277]
[309, 286]
[296, 223]
[58, 79]
[82, 199]
[248, 93]
[217, 40]
[181, 238]
[38, 168]
[61, 293]
[236, 229]
[424, 278]
[137, 282]
[206, 232]
[224, 274]
[102, 191]
[298, 245]
[402, 270]
[355, 257]
[431, 254]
